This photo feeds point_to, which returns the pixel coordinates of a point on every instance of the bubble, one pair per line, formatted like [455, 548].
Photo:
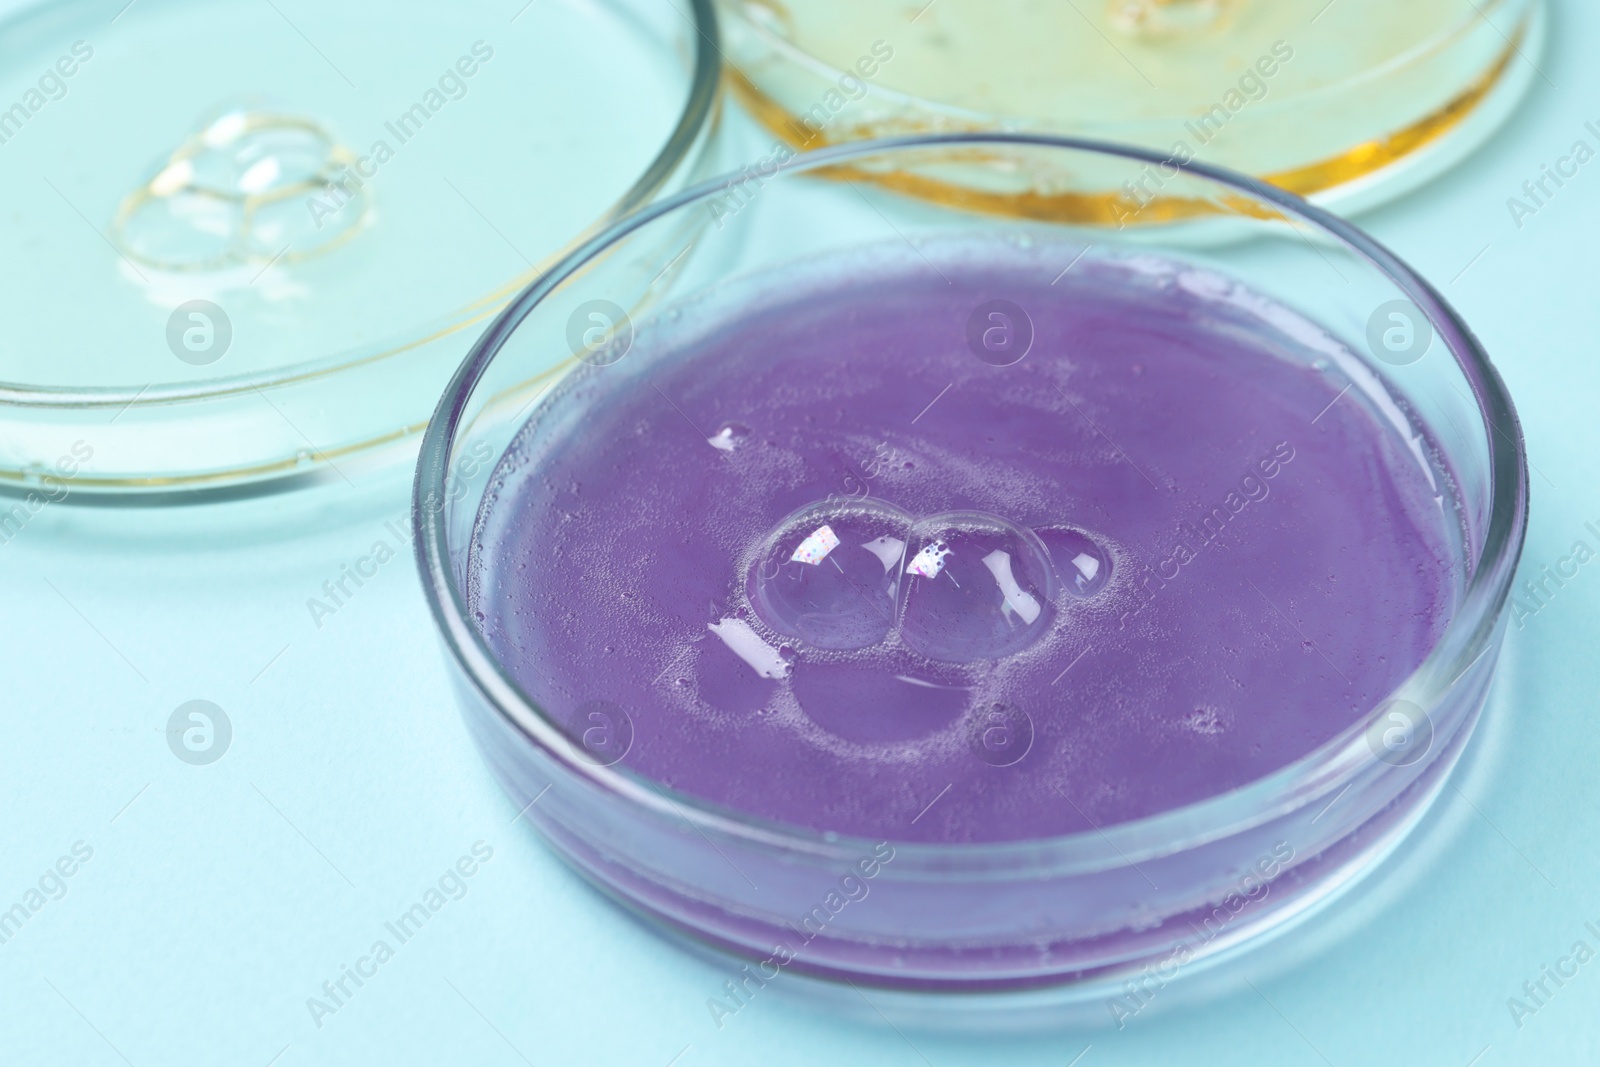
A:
[276, 157]
[828, 574]
[250, 186]
[286, 221]
[974, 587]
[189, 229]
[1082, 567]
[863, 702]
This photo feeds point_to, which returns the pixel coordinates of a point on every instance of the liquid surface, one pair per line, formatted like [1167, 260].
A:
[843, 549]
[1266, 86]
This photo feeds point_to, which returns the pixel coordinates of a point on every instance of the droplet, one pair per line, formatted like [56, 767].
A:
[1082, 567]
[729, 437]
[1158, 19]
[828, 574]
[975, 587]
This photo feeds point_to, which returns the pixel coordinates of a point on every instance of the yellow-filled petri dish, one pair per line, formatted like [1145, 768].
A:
[247, 242]
[1349, 103]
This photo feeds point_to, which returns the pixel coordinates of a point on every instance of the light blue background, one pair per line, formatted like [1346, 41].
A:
[219, 898]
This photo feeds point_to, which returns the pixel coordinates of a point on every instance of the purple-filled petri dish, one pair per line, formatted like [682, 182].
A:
[986, 612]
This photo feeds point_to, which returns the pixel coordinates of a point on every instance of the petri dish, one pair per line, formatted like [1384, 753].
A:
[250, 240]
[1350, 104]
[982, 610]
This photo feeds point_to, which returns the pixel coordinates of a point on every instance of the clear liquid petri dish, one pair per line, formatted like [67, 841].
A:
[983, 611]
[250, 240]
[1350, 104]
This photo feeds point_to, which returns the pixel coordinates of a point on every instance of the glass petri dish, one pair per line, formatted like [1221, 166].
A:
[1095, 757]
[250, 240]
[1349, 104]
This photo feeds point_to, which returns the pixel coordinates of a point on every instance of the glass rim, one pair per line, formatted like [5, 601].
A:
[1323, 770]
[679, 149]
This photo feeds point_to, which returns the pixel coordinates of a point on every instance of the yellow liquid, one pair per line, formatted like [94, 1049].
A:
[1304, 93]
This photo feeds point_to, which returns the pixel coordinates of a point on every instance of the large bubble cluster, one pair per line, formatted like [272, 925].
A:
[960, 587]
[251, 186]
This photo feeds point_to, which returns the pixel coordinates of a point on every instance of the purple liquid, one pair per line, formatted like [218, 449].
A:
[838, 571]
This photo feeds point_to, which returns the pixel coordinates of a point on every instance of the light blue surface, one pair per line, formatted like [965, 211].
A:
[219, 898]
